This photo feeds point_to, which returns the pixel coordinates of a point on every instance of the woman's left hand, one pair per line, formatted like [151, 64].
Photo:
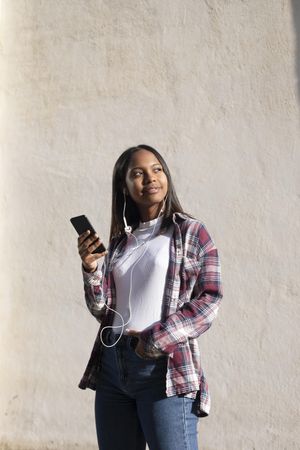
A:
[140, 346]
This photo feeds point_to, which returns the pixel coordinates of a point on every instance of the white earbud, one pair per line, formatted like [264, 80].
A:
[127, 228]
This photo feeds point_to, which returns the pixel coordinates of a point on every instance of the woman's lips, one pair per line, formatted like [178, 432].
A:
[152, 190]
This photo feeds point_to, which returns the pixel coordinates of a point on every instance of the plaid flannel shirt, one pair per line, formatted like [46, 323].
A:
[191, 300]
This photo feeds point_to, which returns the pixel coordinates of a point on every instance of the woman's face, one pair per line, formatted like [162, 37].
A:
[146, 182]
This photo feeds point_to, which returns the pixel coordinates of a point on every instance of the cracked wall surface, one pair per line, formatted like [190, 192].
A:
[213, 85]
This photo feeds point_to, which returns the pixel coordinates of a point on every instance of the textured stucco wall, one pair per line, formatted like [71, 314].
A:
[212, 84]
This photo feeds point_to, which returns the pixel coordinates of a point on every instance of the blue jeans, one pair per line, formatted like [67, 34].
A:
[131, 406]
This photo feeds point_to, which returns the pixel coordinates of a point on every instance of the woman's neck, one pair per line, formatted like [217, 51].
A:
[150, 213]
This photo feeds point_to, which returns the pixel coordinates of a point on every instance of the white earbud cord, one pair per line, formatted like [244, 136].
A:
[131, 272]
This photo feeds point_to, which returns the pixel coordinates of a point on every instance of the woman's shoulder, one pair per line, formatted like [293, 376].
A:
[185, 221]
[194, 231]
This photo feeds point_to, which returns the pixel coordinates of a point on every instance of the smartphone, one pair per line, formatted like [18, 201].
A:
[82, 224]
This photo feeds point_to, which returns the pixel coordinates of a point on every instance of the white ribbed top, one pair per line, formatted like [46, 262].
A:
[148, 275]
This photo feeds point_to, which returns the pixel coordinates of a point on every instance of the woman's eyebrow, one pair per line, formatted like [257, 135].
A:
[154, 164]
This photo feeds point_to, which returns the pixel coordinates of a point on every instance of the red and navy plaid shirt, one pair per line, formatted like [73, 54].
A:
[191, 300]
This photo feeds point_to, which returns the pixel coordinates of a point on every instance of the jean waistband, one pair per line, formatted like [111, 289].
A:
[111, 337]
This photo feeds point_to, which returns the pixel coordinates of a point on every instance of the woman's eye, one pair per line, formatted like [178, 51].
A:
[139, 173]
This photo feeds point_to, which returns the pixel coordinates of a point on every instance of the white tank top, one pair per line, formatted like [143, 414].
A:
[148, 278]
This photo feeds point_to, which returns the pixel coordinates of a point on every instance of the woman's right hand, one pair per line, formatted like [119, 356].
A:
[87, 243]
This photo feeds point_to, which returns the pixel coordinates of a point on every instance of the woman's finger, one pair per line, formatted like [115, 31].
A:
[83, 236]
[140, 350]
[100, 255]
[87, 253]
[89, 242]
[133, 332]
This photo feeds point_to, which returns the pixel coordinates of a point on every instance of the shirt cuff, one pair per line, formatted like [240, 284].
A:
[90, 276]
[152, 346]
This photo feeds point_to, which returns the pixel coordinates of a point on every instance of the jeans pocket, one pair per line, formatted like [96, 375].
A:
[133, 342]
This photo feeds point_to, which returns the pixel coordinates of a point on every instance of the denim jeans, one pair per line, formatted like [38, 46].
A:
[131, 406]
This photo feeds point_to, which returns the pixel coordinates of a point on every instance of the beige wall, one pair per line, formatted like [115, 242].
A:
[212, 84]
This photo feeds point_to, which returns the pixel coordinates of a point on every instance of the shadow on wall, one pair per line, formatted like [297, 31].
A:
[296, 17]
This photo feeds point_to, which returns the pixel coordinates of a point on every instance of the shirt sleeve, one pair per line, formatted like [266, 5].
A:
[195, 316]
[93, 290]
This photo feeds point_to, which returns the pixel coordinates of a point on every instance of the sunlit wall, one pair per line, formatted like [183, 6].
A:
[213, 85]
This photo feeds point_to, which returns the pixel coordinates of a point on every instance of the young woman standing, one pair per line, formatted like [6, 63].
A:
[158, 290]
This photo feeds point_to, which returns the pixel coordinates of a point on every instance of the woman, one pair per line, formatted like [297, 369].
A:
[158, 290]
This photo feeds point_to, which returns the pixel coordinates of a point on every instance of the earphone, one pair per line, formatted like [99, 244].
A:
[128, 231]
[127, 228]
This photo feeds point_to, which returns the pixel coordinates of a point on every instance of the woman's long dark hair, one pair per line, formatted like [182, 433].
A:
[132, 213]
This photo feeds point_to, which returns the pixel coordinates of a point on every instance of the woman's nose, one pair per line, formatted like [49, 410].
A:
[149, 177]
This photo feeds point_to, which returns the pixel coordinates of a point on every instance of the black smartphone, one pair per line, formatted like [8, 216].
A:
[82, 224]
